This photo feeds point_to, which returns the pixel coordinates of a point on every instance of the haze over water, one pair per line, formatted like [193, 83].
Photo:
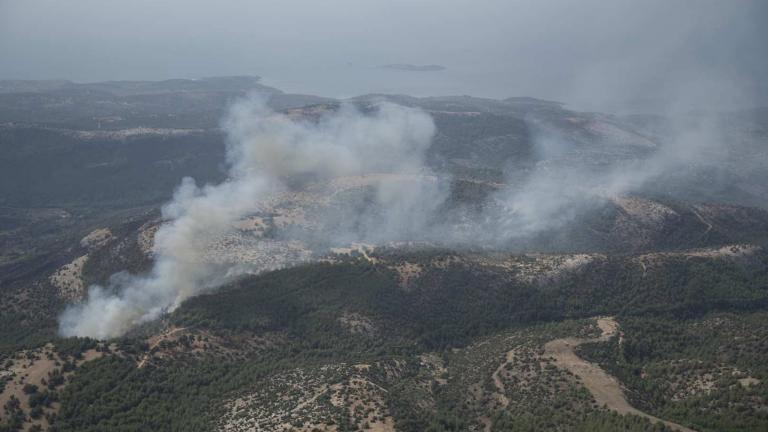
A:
[595, 55]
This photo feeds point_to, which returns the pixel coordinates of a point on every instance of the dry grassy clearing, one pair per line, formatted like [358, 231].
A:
[37, 367]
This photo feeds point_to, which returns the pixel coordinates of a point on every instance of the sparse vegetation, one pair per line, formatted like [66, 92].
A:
[479, 382]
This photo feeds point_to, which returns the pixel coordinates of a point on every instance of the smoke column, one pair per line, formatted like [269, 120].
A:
[263, 149]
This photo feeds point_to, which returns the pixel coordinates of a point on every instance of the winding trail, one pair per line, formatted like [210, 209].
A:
[499, 395]
[702, 220]
[156, 343]
[604, 388]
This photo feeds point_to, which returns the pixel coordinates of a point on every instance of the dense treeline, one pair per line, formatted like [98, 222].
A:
[708, 372]
[440, 310]
[451, 305]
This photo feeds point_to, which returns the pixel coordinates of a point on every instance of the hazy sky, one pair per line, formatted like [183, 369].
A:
[591, 53]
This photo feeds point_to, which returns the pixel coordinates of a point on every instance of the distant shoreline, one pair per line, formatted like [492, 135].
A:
[413, 68]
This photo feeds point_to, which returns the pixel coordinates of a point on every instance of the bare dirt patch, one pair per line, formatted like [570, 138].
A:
[179, 342]
[748, 381]
[407, 273]
[643, 210]
[605, 388]
[155, 341]
[123, 134]
[68, 279]
[96, 238]
[434, 364]
[538, 268]
[357, 324]
[729, 252]
[499, 395]
[311, 400]
[364, 401]
[361, 250]
[146, 237]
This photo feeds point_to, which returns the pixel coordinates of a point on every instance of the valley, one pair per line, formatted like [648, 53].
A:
[458, 289]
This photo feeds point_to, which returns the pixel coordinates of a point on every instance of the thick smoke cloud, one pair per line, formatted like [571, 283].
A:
[270, 154]
[562, 185]
[197, 216]
[264, 149]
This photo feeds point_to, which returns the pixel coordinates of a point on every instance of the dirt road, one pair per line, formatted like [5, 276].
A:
[499, 395]
[155, 341]
[604, 388]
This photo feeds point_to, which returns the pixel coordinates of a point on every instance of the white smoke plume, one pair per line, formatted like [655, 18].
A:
[269, 152]
[264, 148]
[561, 186]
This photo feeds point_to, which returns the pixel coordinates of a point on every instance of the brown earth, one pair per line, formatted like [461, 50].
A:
[605, 388]
[35, 367]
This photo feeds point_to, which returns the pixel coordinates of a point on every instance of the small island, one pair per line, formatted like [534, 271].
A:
[413, 68]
